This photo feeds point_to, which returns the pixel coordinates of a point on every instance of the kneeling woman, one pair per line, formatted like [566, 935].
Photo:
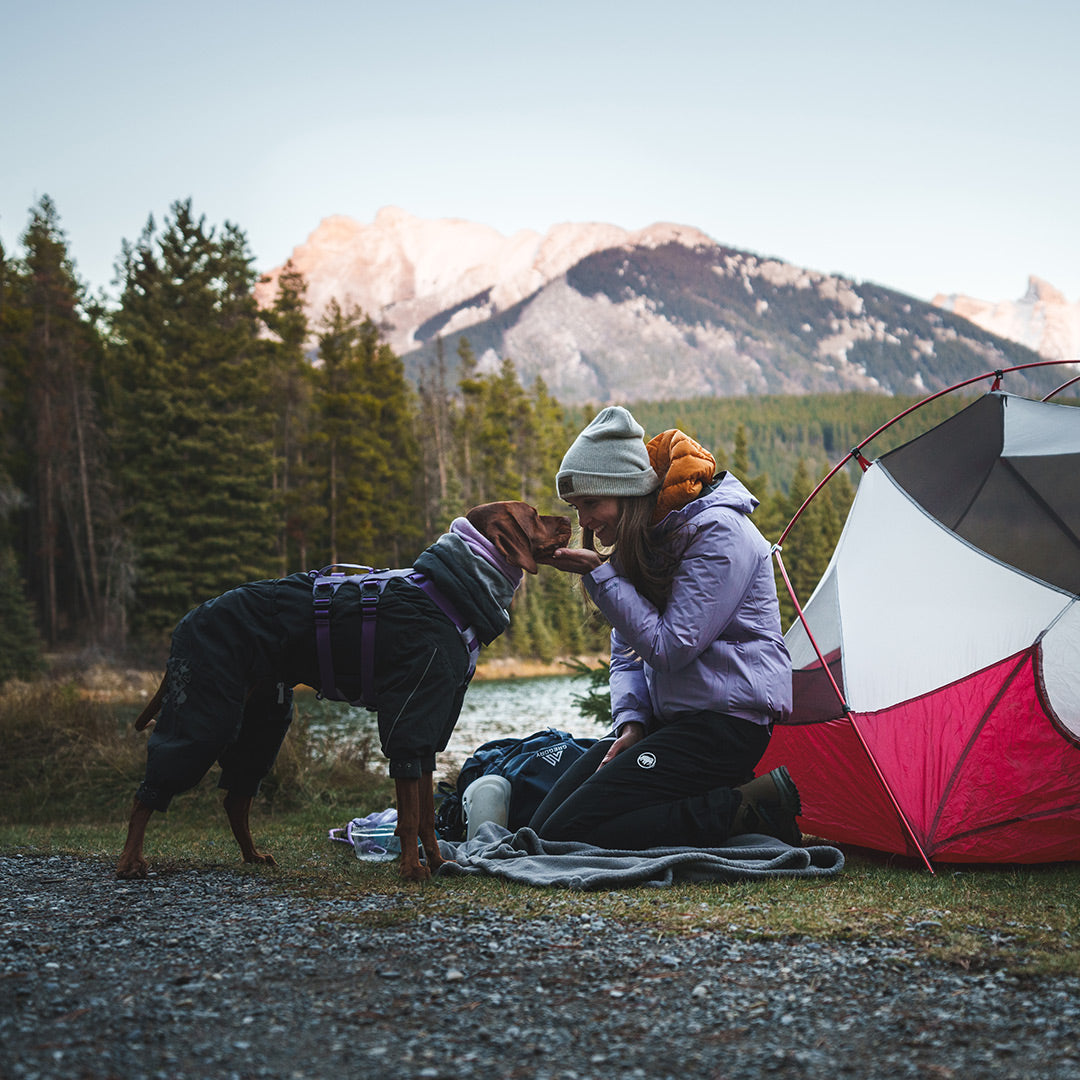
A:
[699, 668]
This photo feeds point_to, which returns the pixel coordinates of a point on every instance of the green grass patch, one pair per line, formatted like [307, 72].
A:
[70, 766]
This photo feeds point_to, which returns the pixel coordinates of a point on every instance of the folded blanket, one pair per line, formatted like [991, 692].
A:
[527, 859]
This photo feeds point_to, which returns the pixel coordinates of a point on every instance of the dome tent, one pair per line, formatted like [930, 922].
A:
[937, 663]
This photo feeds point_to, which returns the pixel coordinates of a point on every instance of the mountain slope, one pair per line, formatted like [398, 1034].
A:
[1042, 319]
[604, 314]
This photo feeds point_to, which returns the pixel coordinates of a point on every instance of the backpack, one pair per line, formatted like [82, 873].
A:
[532, 765]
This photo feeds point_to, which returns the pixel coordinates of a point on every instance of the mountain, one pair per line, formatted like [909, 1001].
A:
[1042, 319]
[602, 313]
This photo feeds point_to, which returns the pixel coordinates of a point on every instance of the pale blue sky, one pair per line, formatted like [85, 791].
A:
[931, 147]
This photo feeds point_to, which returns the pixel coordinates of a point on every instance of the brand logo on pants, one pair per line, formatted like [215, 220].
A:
[646, 760]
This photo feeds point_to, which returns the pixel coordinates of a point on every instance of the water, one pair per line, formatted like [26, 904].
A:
[493, 709]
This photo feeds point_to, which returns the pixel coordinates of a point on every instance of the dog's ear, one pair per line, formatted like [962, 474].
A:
[510, 526]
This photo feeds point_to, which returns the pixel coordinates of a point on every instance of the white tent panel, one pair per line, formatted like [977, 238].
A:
[822, 612]
[1061, 668]
[919, 607]
[1040, 429]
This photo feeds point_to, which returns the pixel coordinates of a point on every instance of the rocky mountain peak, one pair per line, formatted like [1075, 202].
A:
[602, 313]
[402, 270]
[1042, 319]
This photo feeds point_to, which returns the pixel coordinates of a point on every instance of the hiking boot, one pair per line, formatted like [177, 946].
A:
[769, 806]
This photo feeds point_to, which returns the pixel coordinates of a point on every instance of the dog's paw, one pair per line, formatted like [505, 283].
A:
[132, 869]
[416, 872]
[260, 857]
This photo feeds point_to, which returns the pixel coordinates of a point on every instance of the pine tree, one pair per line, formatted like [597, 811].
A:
[436, 419]
[390, 426]
[65, 480]
[740, 464]
[290, 404]
[20, 647]
[549, 440]
[367, 453]
[193, 442]
[15, 460]
[472, 389]
[501, 439]
[806, 551]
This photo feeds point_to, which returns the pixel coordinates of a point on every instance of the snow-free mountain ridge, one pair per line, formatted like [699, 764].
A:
[603, 313]
[403, 270]
[1042, 319]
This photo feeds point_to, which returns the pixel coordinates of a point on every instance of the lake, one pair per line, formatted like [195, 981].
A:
[493, 709]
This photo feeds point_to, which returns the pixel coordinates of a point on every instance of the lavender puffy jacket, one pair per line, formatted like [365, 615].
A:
[718, 646]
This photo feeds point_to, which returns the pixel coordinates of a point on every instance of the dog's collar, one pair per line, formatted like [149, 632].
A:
[480, 545]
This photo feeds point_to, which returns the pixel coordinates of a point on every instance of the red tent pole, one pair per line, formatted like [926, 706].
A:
[856, 452]
[848, 713]
[1058, 389]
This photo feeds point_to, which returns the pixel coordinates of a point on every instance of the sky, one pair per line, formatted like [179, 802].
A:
[929, 147]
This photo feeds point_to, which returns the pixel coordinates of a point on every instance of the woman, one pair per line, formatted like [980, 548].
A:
[699, 669]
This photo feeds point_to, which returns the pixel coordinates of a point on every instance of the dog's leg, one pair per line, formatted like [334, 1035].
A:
[238, 809]
[132, 864]
[153, 706]
[408, 827]
[428, 838]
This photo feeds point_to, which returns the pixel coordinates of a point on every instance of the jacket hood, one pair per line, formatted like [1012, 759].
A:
[725, 491]
[684, 467]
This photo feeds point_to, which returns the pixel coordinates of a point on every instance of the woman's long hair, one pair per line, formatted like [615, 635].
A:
[644, 555]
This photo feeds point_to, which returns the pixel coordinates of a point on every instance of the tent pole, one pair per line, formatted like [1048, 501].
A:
[856, 451]
[888, 791]
[848, 713]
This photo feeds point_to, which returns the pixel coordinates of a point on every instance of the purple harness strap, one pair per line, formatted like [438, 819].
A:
[326, 583]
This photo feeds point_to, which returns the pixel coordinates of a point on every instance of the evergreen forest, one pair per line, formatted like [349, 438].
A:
[162, 446]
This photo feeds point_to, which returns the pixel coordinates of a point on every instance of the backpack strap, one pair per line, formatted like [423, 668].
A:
[325, 584]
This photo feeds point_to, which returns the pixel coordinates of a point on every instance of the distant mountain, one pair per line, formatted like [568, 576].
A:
[1042, 319]
[603, 314]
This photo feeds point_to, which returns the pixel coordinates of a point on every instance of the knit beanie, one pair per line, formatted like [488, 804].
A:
[608, 458]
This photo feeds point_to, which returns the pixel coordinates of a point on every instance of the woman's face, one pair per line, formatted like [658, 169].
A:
[598, 513]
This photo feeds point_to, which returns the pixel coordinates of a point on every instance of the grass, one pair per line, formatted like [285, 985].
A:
[70, 765]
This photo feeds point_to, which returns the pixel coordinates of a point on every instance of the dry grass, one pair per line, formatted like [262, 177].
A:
[70, 751]
[71, 761]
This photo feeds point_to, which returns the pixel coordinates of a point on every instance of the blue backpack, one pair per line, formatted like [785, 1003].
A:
[532, 765]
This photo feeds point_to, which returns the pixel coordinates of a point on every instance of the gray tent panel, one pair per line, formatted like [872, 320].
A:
[1023, 509]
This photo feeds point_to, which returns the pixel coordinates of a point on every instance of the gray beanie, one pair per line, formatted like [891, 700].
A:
[608, 458]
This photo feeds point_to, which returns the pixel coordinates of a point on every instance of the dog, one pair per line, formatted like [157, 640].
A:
[228, 685]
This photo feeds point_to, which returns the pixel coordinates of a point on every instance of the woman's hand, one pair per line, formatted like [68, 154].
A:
[629, 733]
[576, 560]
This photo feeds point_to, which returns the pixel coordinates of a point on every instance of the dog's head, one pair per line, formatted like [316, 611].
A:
[524, 537]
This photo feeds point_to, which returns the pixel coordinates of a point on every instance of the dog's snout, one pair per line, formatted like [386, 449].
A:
[557, 531]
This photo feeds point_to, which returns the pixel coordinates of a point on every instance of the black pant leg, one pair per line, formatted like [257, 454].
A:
[568, 783]
[672, 788]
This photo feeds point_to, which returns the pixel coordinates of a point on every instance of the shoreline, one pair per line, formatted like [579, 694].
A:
[515, 667]
[116, 684]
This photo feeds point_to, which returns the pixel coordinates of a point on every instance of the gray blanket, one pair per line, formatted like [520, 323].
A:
[527, 859]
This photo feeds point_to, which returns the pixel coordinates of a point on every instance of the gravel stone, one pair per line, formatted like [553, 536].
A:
[219, 973]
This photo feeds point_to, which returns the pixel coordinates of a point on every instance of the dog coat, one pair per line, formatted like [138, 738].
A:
[235, 660]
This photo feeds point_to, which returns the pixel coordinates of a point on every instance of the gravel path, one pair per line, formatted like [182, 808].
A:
[218, 974]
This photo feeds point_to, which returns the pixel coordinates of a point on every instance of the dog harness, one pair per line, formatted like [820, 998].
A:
[325, 584]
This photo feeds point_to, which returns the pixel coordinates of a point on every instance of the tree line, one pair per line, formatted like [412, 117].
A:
[161, 448]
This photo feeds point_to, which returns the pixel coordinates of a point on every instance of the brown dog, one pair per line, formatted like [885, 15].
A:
[227, 691]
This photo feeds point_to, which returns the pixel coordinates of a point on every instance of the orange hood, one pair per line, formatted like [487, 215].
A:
[684, 467]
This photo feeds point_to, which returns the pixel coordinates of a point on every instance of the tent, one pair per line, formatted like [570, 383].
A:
[937, 663]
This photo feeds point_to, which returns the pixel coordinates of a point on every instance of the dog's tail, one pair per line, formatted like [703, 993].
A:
[153, 706]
